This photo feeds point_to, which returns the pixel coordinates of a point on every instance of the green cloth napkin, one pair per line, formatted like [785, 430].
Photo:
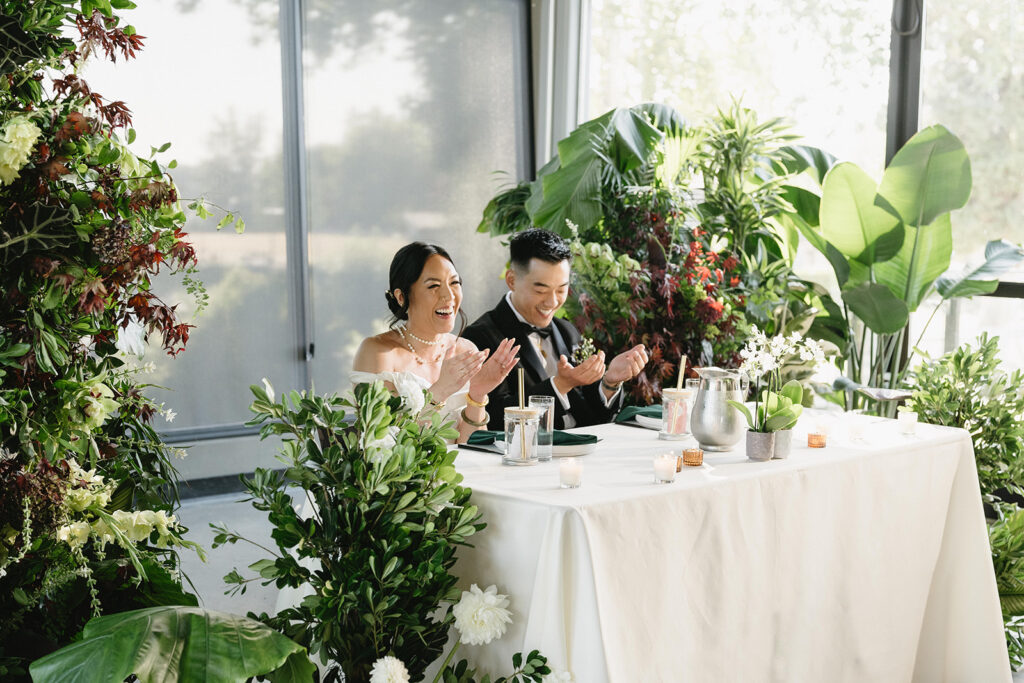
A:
[559, 438]
[630, 412]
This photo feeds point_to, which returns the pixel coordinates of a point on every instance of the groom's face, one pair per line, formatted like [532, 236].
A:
[540, 291]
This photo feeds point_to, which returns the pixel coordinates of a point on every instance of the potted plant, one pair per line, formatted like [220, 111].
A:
[777, 411]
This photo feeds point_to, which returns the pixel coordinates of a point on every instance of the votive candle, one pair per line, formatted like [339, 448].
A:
[570, 473]
[907, 421]
[664, 468]
[816, 440]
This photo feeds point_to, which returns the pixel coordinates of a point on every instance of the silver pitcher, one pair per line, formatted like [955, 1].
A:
[715, 424]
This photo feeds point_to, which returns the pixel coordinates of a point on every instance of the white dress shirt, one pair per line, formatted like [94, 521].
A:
[545, 347]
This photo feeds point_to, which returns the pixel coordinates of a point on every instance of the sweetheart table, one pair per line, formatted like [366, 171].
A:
[867, 560]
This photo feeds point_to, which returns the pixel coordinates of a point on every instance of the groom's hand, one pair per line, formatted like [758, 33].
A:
[626, 365]
[587, 372]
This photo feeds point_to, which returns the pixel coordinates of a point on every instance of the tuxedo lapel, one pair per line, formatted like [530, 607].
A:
[559, 342]
[510, 326]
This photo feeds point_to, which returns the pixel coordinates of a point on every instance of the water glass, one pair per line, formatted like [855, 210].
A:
[545, 405]
[520, 436]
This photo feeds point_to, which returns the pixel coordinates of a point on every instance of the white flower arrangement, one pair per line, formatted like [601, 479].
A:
[763, 360]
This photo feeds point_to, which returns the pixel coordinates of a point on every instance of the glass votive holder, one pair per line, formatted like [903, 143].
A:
[907, 421]
[693, 457]
[546, 423]
[520, 436]
[570, 473]
[664, 468]
[675, 414]
[815, 440]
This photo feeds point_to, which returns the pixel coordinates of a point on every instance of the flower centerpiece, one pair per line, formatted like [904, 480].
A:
[777, 404]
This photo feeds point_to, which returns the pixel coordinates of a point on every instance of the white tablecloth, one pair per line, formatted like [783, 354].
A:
[863, 561]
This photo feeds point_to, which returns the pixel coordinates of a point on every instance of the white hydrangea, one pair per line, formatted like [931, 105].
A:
[481, 616]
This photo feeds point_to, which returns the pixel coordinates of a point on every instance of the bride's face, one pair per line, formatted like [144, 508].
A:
[435, 298]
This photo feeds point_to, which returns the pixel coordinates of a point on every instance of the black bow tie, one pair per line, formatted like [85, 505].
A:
[544, 332]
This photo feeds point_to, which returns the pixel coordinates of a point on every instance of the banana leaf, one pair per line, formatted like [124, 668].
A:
[184, 644]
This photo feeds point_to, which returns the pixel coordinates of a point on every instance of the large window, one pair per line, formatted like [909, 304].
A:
[972, 82]
[409, 110]
[822, 65]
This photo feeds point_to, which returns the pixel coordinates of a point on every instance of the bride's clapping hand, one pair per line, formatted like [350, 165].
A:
[456, 370]
[495, 370]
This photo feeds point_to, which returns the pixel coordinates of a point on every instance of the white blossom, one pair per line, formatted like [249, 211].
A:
[389, 670]
[131, 340]
[481, 616]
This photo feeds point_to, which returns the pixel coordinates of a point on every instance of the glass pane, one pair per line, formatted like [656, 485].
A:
[410, 109]
[823, 65]
[224, 124]
[972, 82]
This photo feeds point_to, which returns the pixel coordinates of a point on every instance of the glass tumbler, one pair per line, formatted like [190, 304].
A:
[520, 436]
[545, 428]
[675, 414]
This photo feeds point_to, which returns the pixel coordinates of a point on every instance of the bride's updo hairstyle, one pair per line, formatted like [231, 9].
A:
[406, 268]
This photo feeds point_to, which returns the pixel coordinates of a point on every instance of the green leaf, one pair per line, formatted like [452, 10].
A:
[812, 160]
[131, 135]
[929, 176]
[174, 643]
[1000, 255]
[839, 263]
[877, 307]
[852, 222]
[746, 412]
[924, 256]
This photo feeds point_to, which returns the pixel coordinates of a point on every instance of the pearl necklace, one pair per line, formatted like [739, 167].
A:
[406, 329]
[401, 331]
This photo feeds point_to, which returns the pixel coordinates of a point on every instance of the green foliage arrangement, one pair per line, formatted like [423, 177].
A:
[87, 487]
[387, 515]
[160, 644]
[890, 245]
[967, 388]
[698, 208]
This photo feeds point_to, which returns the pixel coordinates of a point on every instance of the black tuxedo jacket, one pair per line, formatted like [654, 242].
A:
[586, 404]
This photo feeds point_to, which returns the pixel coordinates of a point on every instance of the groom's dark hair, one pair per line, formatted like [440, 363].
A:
[539, 244]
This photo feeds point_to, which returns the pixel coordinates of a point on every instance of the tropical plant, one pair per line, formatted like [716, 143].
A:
[1006, 536]
[185, 644]
[387, 514]
[890, 245]
[698, 208]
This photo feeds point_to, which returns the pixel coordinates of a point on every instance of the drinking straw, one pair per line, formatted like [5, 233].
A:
[682, 371]
[522, 418]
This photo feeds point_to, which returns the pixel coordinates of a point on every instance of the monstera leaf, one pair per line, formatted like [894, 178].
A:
[175, 644]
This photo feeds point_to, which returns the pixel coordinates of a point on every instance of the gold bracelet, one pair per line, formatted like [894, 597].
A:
[474, 423]
[478, 404]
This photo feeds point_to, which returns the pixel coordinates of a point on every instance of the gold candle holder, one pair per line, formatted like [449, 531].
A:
[693, 457]
[815, 440]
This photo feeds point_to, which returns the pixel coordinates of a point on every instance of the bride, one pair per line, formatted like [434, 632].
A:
[420, 352]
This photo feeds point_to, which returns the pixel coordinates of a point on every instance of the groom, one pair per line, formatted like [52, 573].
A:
[538, 283]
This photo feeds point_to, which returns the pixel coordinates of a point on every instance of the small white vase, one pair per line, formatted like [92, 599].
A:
[783, 444]
[760, 445]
